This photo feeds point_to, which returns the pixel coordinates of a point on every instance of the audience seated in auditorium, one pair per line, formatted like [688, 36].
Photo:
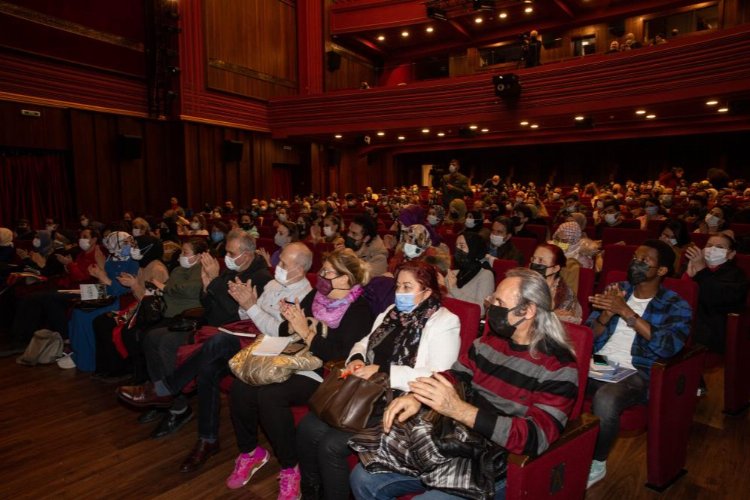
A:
[413, 338]
[501, 244]
[722, 288]
[523, 334]
[635, 323]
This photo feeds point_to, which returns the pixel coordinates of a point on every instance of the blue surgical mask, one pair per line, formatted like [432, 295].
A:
[125, 250]
[217, 236]
[405, 302]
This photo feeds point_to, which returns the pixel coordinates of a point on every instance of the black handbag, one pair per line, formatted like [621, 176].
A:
[150, 311]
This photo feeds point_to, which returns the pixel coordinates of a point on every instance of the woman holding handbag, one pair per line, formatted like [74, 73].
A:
[329, 320]
[410, 339]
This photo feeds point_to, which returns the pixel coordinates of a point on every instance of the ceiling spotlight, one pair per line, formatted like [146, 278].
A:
[722, 110]
[338, 136]
[381, 38]
[401, 138]
[503, 15]
[650, 117]
[528, 10]
[441, 134]
[425, 131]
[381, 134]
[404, 34]
[485, 130]
[478, 20]
[712, 102]
[580, 118]
[473, 127]
[640, 112]
[524, 123]
[534, 125]
[429, 29]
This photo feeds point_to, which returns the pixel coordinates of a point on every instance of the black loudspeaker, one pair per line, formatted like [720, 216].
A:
[507, 86]
[333, 60]
[617, 28]
[232, 150]
[129, 147]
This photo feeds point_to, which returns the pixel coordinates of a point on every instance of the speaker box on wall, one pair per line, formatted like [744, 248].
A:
[507, 86]
[232, 150]
[333, 59]
[129, 147]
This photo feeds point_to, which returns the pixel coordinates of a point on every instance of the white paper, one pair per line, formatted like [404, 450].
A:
[93, 292]
[271, 346]
[239, 334]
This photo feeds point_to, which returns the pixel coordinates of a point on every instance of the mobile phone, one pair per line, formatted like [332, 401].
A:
[293, 348]
[599, 359]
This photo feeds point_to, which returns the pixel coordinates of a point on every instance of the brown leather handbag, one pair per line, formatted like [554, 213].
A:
[346, 402]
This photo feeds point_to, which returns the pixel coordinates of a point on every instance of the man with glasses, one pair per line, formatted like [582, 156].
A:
[635, 323]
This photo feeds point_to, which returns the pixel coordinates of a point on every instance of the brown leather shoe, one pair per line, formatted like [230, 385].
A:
[143, 395]
[202, 451]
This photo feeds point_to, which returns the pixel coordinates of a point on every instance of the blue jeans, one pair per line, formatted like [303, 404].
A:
[391, 485]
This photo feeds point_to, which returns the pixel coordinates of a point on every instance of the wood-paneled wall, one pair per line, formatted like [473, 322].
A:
[251, 47]
[354, 70]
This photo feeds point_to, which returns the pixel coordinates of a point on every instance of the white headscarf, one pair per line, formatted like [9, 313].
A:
[114, 242]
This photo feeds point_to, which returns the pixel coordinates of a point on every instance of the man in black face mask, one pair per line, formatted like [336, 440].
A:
[363, 238]
[635, 323]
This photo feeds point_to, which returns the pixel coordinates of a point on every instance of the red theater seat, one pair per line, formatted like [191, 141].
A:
[737, 353]
[500, 267]
[615, 258]
[540, 231]
[612, 235]
[586, 278]
[526, 246]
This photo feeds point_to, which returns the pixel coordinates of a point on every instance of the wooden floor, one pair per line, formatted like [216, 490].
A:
[66, 436]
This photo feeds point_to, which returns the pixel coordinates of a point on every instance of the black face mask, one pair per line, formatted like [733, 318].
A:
[246, 226]
[497, 318]
[516, 221]
[540, 268]
[638, 272]
[461, 258]
[350, 242]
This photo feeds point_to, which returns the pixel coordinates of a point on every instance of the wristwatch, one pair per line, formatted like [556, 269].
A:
[631, 320]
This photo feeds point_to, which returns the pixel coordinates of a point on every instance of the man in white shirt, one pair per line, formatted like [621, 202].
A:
[209, 364]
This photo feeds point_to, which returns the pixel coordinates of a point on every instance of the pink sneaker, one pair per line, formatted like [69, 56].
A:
[289, 484]
[245, 466]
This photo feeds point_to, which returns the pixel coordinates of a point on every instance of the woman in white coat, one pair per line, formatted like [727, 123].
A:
[413, 338]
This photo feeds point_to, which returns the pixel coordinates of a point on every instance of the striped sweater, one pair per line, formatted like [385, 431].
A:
[523, 402]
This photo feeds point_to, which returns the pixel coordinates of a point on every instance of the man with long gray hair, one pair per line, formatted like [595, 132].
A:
[521, 383]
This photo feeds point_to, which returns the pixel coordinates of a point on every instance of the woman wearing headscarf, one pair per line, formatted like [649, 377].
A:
[40, 258]
[407, 217]
[119, 244]
[412, 338]
[568, 238]
[470, 281]
[416, 243]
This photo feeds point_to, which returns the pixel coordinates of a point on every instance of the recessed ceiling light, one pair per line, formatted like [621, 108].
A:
[712, 102]
[580, 118]
[534, 125]
[485, 130]
[524, 123]
[401, 138]
[381, 38]
[478, 20]
[404, 34]
[528, 10]
[722, 110]
[338, 136]
[640, 112]
[650, 117]
[425, 131]
[441, 134]
[429, 29]
[473, 127]
[381, 134]
[503, 15]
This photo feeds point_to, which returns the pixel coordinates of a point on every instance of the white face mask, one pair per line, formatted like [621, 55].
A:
[280, 275]
[469, 223]
[508, 207]
[411, 250]
[673, 242]
[232, 263]
[497, 240]
[712, 220]
[432, 220]
[84, 243]
[185, 261]
[195, 226]
[137, 232]
[715, 256]
[610, 219]
[281, 217]
[599, 204]
[51, 227]
[328, 231]
[452, 169]
[36, 242]
[280, 240]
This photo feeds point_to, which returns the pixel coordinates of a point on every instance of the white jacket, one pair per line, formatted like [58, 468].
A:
[438, 348]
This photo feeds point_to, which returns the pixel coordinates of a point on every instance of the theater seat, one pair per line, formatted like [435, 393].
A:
[500, 267]
[615, 258]
[540, 230]
[526, 246]
[737, 353]
[586, 278]
[612, 235]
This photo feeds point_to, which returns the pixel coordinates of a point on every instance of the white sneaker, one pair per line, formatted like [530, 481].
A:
[597, 472]
[66, 361]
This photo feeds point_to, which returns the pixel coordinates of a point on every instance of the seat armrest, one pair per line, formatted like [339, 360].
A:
[574, 429]
[193, 313]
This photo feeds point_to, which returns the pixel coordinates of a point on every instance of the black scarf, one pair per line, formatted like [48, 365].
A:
[477, 250]
[407, 328]
[151, 249]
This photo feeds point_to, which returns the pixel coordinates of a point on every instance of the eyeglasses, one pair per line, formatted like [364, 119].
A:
[326, 273]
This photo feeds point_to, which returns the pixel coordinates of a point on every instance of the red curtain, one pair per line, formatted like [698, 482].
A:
[282, 182]
[34, 186]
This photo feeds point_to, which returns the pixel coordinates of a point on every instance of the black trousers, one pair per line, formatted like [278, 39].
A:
[269, 406]
[108, 359]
